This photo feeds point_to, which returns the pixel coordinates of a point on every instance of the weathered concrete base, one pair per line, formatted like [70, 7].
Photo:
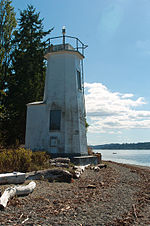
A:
[66, 155]
[78, 159]
[84, 160]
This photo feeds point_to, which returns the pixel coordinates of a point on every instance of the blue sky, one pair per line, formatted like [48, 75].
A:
[116, 65]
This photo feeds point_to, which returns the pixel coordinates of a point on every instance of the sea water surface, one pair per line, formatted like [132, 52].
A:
[136, 157]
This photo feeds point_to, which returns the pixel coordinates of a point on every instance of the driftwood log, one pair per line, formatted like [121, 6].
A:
[50, 175]
[60, 162]
[8, 194]
[102, 166]
[26, 189]
[79, 170]
[17, 190]
[12, 178]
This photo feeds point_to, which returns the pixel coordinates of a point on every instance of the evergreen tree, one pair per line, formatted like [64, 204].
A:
[28, 67]
[7, 26]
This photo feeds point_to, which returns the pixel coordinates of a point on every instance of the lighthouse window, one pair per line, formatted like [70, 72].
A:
[79, 80]
[55, 119]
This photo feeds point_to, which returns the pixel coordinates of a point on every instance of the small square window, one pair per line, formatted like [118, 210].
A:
[53, 141]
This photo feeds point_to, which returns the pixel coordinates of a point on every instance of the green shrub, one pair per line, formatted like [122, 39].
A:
[40, 160]
[22, 160]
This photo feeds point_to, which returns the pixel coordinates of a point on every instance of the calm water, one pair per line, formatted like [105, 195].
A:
[136, 157]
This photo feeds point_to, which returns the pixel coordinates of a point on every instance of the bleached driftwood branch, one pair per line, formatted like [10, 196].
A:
[8, 194]
[134, 210]
[17, 190]
[26, 189]
[79, 170]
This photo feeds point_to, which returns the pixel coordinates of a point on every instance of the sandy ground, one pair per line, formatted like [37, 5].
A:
[119, 195]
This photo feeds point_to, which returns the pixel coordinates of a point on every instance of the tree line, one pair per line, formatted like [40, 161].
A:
[125, 146]
[22, 68]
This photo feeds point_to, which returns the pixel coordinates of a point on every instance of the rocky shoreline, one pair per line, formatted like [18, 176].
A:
[116, 195]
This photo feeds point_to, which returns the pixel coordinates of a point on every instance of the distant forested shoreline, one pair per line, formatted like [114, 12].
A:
[114, 146]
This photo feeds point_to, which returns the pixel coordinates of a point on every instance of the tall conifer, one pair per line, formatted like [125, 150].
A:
[28, 68]
[7, 25]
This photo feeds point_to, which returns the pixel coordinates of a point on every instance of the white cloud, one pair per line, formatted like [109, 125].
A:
[127, 95]
[112, 111]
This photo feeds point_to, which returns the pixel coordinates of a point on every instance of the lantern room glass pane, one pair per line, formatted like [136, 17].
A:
[55, 119]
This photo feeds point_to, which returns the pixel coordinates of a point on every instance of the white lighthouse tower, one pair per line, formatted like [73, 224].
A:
[57, 124]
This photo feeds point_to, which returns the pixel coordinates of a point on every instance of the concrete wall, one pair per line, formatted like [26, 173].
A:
[61, 93]
[36, 127]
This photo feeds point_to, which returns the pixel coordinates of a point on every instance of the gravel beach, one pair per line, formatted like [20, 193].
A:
[116, 195]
